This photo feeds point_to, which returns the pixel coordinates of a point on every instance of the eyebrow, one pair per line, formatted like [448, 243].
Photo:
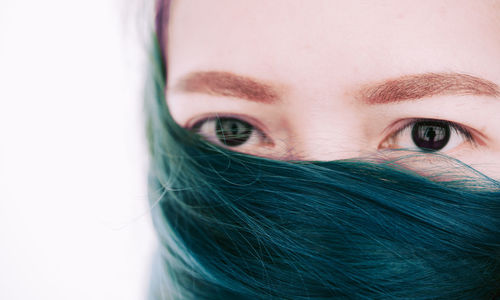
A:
[229, 85]
[413, 87]
[404, 88]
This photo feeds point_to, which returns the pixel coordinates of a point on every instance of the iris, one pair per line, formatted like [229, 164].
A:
[430, 135]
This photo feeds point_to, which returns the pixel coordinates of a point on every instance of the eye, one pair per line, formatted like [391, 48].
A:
[229, 131]
[429, 135]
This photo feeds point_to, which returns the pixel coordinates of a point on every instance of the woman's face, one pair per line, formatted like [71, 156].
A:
[327, 80]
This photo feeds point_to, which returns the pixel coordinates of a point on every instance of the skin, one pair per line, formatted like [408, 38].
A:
[309, 74]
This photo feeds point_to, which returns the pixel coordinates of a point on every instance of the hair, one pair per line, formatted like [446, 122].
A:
[236, 226]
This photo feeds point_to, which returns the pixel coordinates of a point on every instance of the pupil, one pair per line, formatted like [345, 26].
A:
[234, 129]
[430, 135]
[233, 132]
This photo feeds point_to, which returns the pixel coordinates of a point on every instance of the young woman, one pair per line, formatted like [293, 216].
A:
[326, 149]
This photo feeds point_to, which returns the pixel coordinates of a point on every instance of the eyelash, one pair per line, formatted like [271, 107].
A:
[197, 124]
[460, 129]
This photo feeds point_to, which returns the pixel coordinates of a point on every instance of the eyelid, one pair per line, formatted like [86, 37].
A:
[471, 135]
[256, 124]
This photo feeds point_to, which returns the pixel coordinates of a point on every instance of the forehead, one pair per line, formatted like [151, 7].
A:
[334, 41]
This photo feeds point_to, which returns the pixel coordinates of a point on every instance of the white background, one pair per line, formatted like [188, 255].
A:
[74, 220]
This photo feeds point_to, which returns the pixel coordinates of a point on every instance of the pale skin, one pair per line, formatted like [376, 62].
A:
[335, 79]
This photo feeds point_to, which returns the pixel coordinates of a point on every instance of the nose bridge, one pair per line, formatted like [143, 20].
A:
[325, 132]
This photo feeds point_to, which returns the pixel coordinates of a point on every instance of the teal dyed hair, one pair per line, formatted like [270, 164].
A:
[235, 226]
